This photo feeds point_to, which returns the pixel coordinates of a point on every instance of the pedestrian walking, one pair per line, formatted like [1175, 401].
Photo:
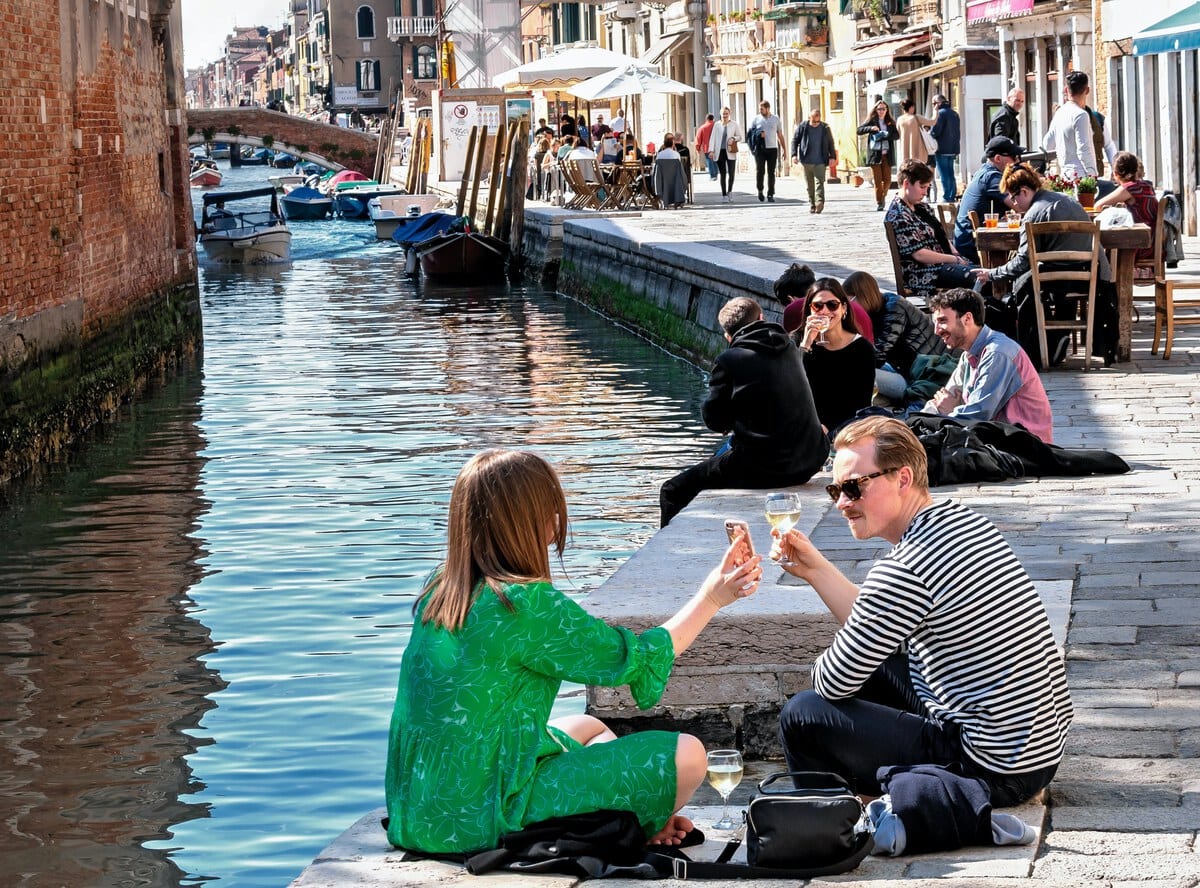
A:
[1007, 121]
[702, 136]
[766, 151]
[947, 130]
[813, 148]
[912, 140]
[723, 148]
[881, 135]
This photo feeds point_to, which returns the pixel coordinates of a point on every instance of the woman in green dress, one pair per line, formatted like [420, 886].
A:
[472, 752]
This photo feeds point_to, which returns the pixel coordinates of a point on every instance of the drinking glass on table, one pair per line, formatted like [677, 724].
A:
[725, 773]
[1012, 219]
[783, 511]
[991, 220]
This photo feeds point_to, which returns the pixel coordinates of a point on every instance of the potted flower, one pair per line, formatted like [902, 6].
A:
[1085, 190]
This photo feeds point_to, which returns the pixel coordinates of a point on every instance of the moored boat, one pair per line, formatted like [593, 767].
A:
[469, 257]
[286, 182]
[350, 199]
[244, 237]
[389, 211]
[306, 203]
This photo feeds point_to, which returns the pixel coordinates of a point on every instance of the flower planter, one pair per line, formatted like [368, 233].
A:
[1087, 199]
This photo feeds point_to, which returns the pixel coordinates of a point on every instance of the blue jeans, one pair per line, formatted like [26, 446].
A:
[945, 169]
[712, 166]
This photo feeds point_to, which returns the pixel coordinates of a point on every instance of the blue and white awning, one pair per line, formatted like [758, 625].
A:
[1176, 33]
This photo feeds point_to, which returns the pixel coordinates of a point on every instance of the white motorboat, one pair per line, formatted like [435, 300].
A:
[388, 211]
[244, 237]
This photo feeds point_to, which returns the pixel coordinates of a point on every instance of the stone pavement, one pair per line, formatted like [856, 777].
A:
[1125, 806]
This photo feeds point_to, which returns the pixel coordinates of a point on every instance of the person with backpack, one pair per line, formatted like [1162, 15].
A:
[765, 138]
[472, 751]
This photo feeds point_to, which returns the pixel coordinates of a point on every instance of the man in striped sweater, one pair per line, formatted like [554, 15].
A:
[945, 655]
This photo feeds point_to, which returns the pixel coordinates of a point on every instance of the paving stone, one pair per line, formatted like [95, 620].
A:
[1081, 868]
[1111, 635]
[1125, 818]
[1116, 743]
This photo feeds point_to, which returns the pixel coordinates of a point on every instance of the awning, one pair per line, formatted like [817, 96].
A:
[664, 46]
[882, 53]
[996, 10]
[951, 66]
[1175, 33]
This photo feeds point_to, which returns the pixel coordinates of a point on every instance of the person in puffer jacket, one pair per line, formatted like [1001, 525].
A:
[902, 331]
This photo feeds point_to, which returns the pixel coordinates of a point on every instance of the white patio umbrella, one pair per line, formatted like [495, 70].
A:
[629, 80]
[565, 68]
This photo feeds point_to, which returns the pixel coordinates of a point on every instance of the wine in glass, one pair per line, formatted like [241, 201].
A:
[783, 511]
[725, 773]
[822, 325]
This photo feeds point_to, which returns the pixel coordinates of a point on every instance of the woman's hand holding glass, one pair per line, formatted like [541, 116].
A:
[736, 577]
[814, 329]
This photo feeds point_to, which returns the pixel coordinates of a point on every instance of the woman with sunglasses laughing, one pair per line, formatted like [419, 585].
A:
[945, 655]
[839, 362]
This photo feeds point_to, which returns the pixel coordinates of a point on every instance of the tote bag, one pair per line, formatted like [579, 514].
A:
[930, 142]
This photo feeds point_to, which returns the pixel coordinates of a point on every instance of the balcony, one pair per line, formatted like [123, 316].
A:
[399, 27]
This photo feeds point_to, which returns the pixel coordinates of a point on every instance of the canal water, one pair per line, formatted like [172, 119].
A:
[202, 612]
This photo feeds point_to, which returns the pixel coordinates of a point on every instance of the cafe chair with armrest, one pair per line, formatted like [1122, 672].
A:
[948, 215]
[1082, 277]
[897, 269]
[588, 194]
[1166, 302]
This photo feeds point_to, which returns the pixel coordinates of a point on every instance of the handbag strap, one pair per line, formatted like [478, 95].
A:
[677, 865]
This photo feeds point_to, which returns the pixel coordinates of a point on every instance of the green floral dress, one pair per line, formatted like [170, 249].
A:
[470, 754]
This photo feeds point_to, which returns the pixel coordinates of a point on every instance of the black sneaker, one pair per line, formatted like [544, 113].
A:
[760, 197]
[1058, 352]
[770, 198]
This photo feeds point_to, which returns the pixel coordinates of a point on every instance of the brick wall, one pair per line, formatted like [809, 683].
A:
[96, 228]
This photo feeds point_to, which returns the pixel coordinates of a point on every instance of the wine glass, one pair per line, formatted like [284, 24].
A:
[822, 326]
[725, 771]
[783, 511]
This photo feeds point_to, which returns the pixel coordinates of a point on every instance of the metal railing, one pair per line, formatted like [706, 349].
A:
[411, 26]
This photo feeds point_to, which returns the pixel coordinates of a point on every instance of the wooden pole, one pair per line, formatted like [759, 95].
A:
[466, 175]
[498, 153]
[519, 166]
[496, 222]
[480, 146]
[410, 175]
[426, 158]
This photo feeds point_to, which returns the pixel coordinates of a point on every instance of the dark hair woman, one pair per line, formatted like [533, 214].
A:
[839, 362]
[881, 134]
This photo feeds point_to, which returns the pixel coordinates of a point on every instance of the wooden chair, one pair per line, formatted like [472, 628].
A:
[948, 215]
[975, 220]
[1085, 278]
[587, 194]
[1166, 303]
[897, 269]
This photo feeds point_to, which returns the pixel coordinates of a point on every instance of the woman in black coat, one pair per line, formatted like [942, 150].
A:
[881, 135]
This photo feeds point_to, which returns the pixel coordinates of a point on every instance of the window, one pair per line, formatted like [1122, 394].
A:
[367, 72]
[366, 23]
[837, 101]
[424, 62]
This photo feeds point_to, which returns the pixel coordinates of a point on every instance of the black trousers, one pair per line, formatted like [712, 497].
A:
[727, 167]
[886, 724]
[725, 470]
[765, 160]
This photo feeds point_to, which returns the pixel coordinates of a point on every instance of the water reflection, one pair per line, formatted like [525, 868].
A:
[100, 659]
[201, 620]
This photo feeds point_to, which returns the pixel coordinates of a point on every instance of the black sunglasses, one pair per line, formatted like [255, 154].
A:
[852, 487]
[827, 306]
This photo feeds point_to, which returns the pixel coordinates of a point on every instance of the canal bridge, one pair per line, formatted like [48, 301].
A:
[335, 147]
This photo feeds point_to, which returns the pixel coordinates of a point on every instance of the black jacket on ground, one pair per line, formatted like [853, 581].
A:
[759, 391]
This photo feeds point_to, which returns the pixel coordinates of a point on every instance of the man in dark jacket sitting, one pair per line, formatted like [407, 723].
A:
[759, 392]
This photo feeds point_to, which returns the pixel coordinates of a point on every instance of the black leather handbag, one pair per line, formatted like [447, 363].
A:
[815, 821]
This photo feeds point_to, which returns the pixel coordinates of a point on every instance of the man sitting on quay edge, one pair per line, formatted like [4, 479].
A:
[945, 655]
[759, 391]
[994, 378]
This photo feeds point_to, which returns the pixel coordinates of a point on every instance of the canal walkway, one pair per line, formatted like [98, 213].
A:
[1125, 806]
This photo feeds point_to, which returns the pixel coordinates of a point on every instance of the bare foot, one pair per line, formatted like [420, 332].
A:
[677, 827]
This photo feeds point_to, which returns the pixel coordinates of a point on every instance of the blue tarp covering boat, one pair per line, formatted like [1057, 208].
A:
[423, 227]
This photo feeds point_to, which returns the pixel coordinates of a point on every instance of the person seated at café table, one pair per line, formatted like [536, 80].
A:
[632, 152]
[839, 362]
[670, 183]
[1026, 195]
[610, 149]
[1136, 193]
[983, 194]
[927, 260]
[585, 158]
[568, 143]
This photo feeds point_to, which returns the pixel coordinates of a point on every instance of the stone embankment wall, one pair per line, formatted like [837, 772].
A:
[669, 290]
[97, 257]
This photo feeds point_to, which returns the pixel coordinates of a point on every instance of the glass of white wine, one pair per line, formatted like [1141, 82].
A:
[783, 511]
[725, 773]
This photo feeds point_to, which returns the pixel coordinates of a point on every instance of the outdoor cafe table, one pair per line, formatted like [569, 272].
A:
[1122, 244]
